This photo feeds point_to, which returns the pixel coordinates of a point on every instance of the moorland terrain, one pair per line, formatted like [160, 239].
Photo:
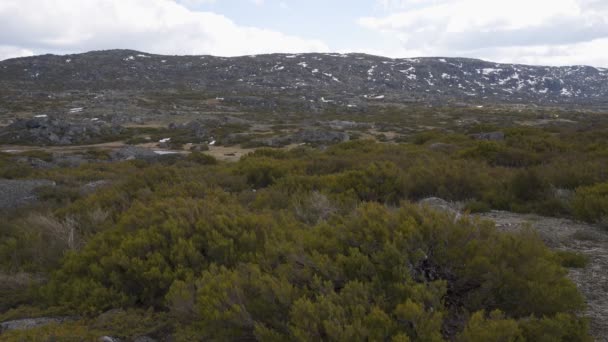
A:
[301, 197]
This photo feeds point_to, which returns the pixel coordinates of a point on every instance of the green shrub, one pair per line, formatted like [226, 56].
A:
[322, 248]
[424, 137]
[590, 203]
[572, 259]
[69, 331]
[59, 194]
[201, 158]
[477, 207]
[559, 327]
[263, 171]
[499, 154]
[496, 327]
[229, 274]
[528, 186]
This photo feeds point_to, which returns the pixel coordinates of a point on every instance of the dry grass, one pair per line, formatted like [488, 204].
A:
[65, 232]
[586, 235]
[230, 153]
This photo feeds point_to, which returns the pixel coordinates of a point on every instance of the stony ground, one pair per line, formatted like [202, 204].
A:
[574, 236]
[14, 193]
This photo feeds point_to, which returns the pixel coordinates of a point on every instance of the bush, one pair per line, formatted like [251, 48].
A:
[71, 331]
[477, 207]
[229, 274]
[528, 186]
[496, 327]
[572, 259]
[36, 242]
[263, 171]
[324, 247]
[201, 158]
[590, 203]
[559, 327]
[498, 154]
[424, 137]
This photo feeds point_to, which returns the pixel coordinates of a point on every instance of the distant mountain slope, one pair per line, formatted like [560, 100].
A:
[340, 78]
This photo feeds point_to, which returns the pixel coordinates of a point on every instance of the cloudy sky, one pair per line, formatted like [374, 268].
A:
[548, 32]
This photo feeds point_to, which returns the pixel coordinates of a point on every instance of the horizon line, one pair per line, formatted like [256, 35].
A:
[304, 53]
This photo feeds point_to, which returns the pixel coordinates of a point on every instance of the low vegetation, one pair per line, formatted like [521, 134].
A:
[311, 245]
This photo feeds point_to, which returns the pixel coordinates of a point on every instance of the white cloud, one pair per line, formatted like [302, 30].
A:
[194, 3]
[538, 31]
[403, 4]
[156, 26]
[13, 51]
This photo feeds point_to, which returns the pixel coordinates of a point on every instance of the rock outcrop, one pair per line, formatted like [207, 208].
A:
[16, 193]
[54, 131]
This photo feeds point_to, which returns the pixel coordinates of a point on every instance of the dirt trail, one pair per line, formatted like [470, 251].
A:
[570, 235]
[61, 149]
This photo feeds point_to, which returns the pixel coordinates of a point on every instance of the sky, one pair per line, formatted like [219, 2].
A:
[540, 32]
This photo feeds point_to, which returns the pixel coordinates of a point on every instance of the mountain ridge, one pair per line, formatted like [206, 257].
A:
[324, 78]
[131, 51]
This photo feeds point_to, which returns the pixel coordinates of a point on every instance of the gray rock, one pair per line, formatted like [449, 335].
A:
[36, 163]
[72, 160]
[16, 193]
[440, 204]
[29, 323]
[91, 187]
[492, 136]
[442, 147]
[144, 339]
[319, 136]
[197, 128]
[54, 131]
[307, 136]
[342, 125]
[564, 195]
[199, 148]
[235, 138]
[133, 152]
[109, 339]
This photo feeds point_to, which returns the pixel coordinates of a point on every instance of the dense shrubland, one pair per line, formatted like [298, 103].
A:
[312, 245]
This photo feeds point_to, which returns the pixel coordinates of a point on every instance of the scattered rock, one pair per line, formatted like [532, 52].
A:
[236, 138]
[319, 136]
[55, 131]
[29, 323]
[343, 125]
[443, 147]
[36, 163]
[197, 129]
[144, 339]
[16, 193]
[199, 147]
[440, 204]
[306, 136]
[133, 152]
[71, 160]
[109, 339]
[563, 194]
[92, 187]
[491, 136]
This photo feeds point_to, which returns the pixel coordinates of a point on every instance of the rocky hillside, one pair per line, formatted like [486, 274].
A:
[343, 79]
